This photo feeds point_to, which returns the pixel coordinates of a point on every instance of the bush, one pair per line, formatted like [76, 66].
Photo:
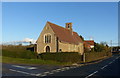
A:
[17, 52]
[92, 56]
[62, 57]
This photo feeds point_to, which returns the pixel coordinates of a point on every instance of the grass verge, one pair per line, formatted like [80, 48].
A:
[12, 60]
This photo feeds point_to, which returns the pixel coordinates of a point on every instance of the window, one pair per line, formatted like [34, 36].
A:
[47, 38]
[68, 25]
[60, 50]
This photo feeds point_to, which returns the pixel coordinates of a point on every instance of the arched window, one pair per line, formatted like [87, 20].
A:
[47, 38]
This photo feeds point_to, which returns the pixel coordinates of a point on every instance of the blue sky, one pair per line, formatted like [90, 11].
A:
[90, 19]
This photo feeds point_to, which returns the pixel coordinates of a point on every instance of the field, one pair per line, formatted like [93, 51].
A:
[19, 55]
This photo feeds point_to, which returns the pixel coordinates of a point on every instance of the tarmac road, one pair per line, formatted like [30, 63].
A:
[109, 67]
[105, 69]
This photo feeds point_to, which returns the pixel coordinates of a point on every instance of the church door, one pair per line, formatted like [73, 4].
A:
[47, 49]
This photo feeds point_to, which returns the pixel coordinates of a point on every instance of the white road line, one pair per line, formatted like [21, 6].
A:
[38, 74]
[63, 68]
[104, 66]
[24, 67]
[46, 72]
[18, 66]
[53, 70]
[91, 74]
[51, 73]
[110, 62]
[67, 68]
[31, 68]
[58, 69]
[43, 75]
[117, 58]
[19, 71]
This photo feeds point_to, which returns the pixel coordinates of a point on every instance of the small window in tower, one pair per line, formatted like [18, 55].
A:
[68, 25]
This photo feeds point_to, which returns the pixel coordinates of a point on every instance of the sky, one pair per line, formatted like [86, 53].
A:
[98, 20]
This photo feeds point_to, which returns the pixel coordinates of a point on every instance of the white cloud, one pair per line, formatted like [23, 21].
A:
[29, 40]
[24, 41]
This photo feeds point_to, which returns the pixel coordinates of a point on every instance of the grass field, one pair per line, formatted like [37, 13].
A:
[19, 55]
[32, 61]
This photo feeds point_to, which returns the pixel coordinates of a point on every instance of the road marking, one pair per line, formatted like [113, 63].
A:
[38, 74]
[67, 68]
[19, 71]
[51, 73]
[58, 69]
[46, 72]
[91, 74]
[43, 75]
[117, 57]
[110, 62]
[63, 68]
[31, 68]
[53, 70]
[104, 66]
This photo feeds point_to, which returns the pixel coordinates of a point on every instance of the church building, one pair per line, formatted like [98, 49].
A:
[55, 38]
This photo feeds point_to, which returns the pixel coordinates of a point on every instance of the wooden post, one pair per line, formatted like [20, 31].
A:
[84, 57]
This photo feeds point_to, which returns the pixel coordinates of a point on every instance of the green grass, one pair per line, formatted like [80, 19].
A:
[18, 52]
[12, 60]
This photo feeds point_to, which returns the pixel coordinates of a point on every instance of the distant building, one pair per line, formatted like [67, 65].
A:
[55, 38]
[89, 44]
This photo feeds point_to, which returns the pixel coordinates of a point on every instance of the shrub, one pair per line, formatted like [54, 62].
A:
[62, 57]
[92, 56]
[17, 52]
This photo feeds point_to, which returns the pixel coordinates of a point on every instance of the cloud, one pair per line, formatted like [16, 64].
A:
[24, 41]
[29, 40]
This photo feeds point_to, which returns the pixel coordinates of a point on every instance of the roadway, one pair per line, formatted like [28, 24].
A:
[109, 67]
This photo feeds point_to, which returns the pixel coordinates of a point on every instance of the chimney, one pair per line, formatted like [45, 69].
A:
[69, 26]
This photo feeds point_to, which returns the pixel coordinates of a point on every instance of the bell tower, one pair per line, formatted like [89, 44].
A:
[69, 26]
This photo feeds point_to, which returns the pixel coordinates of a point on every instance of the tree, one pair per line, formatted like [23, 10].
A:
[103, 43]
[81, 38]
[101, 47]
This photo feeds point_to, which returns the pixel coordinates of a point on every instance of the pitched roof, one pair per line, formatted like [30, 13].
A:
[90, 42]
[86, 45]
[65, 35]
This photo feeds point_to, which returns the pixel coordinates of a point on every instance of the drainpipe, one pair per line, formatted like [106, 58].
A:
[57, 44]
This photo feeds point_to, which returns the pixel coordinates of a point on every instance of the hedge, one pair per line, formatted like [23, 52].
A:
[17, 52]
[92, 56]
[62, 57]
